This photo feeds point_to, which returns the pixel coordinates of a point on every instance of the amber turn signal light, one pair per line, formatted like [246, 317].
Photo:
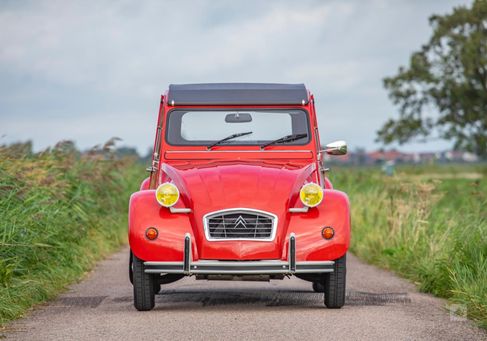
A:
[328, 232]
[151, 233]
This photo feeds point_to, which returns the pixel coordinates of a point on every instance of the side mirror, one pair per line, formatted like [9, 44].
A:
[336, 148]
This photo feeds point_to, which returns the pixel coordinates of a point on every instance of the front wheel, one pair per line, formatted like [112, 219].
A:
[143, 286]
[335, 283]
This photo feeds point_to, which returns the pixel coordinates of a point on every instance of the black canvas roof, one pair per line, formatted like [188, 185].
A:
[237, 93]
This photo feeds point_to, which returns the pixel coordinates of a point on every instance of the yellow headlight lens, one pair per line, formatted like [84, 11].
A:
[167, 194]
[311, 194]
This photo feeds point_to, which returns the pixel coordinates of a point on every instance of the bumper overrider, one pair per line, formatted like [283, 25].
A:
[207, 267]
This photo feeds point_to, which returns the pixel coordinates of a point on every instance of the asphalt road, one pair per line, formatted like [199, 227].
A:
[380, 306]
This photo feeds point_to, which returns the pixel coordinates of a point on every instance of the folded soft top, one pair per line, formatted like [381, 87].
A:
[237, 93]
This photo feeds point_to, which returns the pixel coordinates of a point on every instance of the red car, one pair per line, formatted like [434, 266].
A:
[237, 190]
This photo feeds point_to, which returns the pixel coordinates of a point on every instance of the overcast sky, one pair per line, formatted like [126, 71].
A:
[90, 70]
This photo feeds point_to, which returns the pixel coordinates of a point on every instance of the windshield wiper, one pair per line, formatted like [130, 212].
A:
[228, 138]
[287, 138]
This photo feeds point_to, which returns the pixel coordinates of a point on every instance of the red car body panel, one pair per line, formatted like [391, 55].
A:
[311, 246]
[238, 177]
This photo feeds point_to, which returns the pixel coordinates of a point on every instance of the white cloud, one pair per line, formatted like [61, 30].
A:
[110, 60]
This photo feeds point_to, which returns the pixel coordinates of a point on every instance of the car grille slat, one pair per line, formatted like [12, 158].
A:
[240, 224]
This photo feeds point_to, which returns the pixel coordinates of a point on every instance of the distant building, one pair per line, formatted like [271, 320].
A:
[392, 155]
[458, 156]
[361, 157]
[427, 157]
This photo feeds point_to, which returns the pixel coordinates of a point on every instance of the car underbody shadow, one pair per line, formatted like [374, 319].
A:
[272, 298]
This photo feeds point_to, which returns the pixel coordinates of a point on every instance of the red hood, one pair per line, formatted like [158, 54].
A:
[217, 186]
[256, 185]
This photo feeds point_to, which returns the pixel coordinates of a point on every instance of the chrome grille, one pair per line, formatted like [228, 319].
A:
[240, 224]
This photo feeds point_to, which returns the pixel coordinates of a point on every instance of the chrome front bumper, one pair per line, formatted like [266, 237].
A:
[264, 267]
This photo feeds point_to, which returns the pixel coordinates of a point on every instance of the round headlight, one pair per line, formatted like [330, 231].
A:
[311, 194]
[167, 194]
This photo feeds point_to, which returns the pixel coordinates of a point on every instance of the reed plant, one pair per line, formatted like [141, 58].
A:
[60, 212]
[427, 223]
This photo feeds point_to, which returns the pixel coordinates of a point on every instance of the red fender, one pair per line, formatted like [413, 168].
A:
[334, 211]
[145, 212]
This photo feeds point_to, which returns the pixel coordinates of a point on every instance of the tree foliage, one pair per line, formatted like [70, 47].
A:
[444, 88]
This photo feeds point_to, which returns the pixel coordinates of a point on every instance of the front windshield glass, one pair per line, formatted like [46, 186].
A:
[205, 127]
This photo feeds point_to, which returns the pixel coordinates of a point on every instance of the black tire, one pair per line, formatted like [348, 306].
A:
[335, 283]
[131, 272]
[143, 286]
[318, 287]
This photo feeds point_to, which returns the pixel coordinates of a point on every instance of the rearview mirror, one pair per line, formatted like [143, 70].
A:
[238, 118]
[336, 148]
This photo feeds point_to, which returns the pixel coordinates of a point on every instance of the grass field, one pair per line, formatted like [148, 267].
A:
[426, 223]
[60, 212]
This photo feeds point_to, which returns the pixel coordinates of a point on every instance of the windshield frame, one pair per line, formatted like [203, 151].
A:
[305, 142]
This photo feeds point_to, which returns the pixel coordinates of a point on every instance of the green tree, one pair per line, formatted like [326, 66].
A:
[444, 88]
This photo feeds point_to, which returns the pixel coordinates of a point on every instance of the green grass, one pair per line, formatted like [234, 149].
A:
[60, 212]
[427, 223]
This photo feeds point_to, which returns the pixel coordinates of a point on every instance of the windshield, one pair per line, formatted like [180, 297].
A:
[206, 127]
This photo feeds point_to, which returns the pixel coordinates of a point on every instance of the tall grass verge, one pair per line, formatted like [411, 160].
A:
[60, 212]
[427, 224]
